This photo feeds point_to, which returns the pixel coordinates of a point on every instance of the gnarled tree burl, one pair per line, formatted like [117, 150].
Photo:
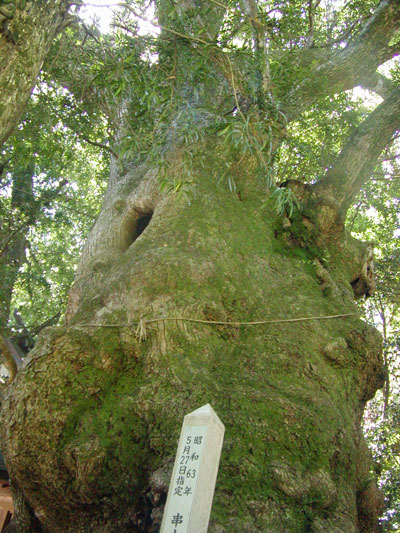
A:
[157, 322]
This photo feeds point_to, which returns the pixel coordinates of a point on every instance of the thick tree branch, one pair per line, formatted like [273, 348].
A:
[358, 158]
[340, 70]
[378, 84]
[260, 42]
[25, 41]
[311, 21]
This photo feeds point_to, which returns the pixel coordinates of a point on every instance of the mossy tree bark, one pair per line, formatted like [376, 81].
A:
[157, 325]
[27, 30]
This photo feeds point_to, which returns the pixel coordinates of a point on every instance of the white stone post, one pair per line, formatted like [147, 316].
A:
[192, 485]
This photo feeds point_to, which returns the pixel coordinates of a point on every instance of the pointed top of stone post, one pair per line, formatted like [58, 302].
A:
[202, 414]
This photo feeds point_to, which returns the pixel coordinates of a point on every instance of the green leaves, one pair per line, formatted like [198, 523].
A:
[50, 218]
[285, 201]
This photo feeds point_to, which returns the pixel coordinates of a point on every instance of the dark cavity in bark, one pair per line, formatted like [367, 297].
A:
[141, 224]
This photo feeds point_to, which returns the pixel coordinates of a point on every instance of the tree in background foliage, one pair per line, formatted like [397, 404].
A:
[27, 30]
[50, 192]
[219, 268]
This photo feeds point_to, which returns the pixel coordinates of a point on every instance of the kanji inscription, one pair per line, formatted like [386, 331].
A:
[184, 482]
[195, 470]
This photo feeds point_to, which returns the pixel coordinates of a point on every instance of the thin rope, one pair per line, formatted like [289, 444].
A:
[215, 322]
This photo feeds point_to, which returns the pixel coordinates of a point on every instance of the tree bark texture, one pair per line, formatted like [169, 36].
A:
[27, 29]
[161, 321]
[93, 418]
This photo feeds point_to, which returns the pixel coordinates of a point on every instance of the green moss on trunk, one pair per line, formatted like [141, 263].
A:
[95, 416]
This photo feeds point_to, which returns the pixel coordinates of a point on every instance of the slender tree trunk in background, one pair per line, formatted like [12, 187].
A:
[13, 238]
[158, 325]
[26, 35]
[386, 388]
[14, 231]
[27, 30]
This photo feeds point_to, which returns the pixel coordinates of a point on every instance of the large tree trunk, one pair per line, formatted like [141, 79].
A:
[90, 425]
[161, 316]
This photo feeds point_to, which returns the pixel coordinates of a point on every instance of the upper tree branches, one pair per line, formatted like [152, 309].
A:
[358, 158]
[334, 71]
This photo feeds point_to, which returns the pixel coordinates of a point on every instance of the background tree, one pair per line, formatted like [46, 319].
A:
[39, 212]
[27, 30]
[194, 288]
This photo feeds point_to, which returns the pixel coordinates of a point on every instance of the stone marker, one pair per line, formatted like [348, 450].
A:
[192, 485]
